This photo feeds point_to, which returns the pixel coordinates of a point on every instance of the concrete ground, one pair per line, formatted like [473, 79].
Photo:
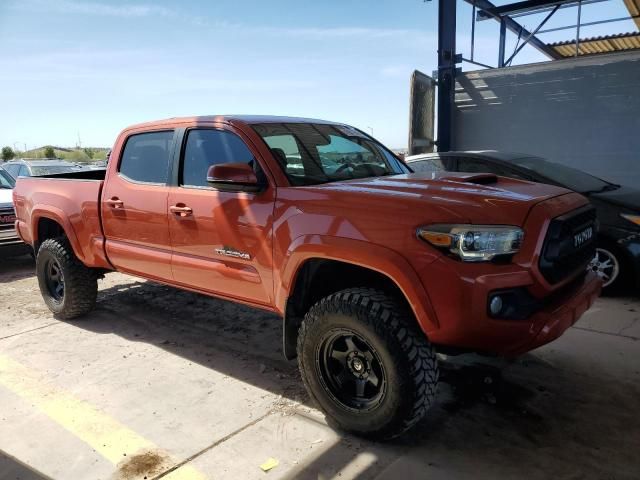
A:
[159, 383]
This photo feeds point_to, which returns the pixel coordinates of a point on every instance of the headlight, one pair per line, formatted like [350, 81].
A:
[632, 218]
[474, 243]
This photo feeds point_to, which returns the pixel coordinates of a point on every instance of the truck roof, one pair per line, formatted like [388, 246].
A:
[246, 119]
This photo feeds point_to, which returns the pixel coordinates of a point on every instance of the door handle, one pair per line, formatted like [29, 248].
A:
[181, 210]
[114, 202]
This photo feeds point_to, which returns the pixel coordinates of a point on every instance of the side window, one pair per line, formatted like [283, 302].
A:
[469, 165]
[13, 170]
[428, 165]
[285, 149]
[146, 157]
[207, 147]
[24, 171]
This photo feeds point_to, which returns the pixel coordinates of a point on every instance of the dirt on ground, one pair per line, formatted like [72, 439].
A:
[570, 410]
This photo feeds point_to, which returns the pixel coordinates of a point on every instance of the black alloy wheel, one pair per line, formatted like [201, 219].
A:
[351, 370]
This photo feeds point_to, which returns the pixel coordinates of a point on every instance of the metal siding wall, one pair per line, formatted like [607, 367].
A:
[582, 112]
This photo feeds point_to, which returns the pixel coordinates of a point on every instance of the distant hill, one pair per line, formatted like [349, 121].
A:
[86, 154]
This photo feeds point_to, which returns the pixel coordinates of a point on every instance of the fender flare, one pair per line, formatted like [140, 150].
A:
[57, 215]
[357, 252]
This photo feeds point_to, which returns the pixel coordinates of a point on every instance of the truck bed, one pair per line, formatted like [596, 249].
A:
[72, 200]
[81, 175]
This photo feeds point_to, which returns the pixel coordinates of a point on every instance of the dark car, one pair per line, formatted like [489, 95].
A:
[618, 255]
[37, 168]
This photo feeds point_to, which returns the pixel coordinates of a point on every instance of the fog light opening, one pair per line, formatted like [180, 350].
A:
[495, 305]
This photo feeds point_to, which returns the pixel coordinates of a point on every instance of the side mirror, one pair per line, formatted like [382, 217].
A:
[233, 177]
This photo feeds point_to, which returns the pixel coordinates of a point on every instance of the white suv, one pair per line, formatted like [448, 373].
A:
[8, 235]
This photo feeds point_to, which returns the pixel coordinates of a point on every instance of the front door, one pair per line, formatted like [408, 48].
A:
[221, 240]
[134, 207]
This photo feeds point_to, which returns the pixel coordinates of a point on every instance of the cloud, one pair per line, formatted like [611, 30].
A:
[104, 9]
[143, 10]
[94, 8]
[322, 33]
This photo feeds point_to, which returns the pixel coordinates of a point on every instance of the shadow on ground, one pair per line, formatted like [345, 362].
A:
[16, 267]
[491, 417]
[12, 468]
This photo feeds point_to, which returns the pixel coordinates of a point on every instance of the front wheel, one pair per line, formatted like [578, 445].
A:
[366, 363]
[608, 265]
[68, 287]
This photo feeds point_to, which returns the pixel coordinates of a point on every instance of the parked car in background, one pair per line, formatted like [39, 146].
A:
[617, 259]
[8, 234]
[38, 168]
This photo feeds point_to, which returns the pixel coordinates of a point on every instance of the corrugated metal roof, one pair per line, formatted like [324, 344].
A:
[605, 44]
[634, 10]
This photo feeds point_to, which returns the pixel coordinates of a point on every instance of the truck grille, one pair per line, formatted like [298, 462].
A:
[8, 233]
[570, 244]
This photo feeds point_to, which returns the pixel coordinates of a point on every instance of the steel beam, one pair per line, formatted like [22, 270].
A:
[516, 28]
[446, 72]
[502, 44]
[528, 6]
[546, 19]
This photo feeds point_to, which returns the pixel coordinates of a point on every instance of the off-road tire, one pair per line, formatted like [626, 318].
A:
[80, 282]
[409, 360]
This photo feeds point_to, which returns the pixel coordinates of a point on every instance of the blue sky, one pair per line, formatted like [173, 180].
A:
[90, 68]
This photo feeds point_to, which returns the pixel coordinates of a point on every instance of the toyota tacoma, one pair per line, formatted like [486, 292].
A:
[372, 268]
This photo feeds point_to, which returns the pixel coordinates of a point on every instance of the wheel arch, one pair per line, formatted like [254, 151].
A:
[51, 222]
[318, 266]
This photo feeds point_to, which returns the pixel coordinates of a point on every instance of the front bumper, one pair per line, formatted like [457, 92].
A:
[466, 324]
[460, 292]
[8, 235]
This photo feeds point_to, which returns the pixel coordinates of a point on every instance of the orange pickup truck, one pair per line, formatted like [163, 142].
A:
[372, 267]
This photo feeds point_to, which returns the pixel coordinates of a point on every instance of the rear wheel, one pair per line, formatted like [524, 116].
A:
[365, 362]
[67, 286]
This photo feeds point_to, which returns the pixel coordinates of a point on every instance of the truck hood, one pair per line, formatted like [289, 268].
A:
[446, 196]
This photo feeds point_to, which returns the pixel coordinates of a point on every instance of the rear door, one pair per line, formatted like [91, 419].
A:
[134, 206]
[221, 240]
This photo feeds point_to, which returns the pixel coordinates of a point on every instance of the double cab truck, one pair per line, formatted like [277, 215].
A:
[372, 268]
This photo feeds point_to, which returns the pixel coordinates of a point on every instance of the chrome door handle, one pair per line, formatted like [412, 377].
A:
[114, 202]
[181, 211]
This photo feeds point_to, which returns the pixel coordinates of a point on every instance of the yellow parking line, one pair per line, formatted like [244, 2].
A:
[104, 434]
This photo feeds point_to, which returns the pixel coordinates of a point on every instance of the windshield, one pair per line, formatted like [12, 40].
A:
[566, 176]
[6, 180]
[52, 169]
[318, 153]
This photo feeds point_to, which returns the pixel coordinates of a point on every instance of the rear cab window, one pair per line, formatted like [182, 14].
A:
[145, 158]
